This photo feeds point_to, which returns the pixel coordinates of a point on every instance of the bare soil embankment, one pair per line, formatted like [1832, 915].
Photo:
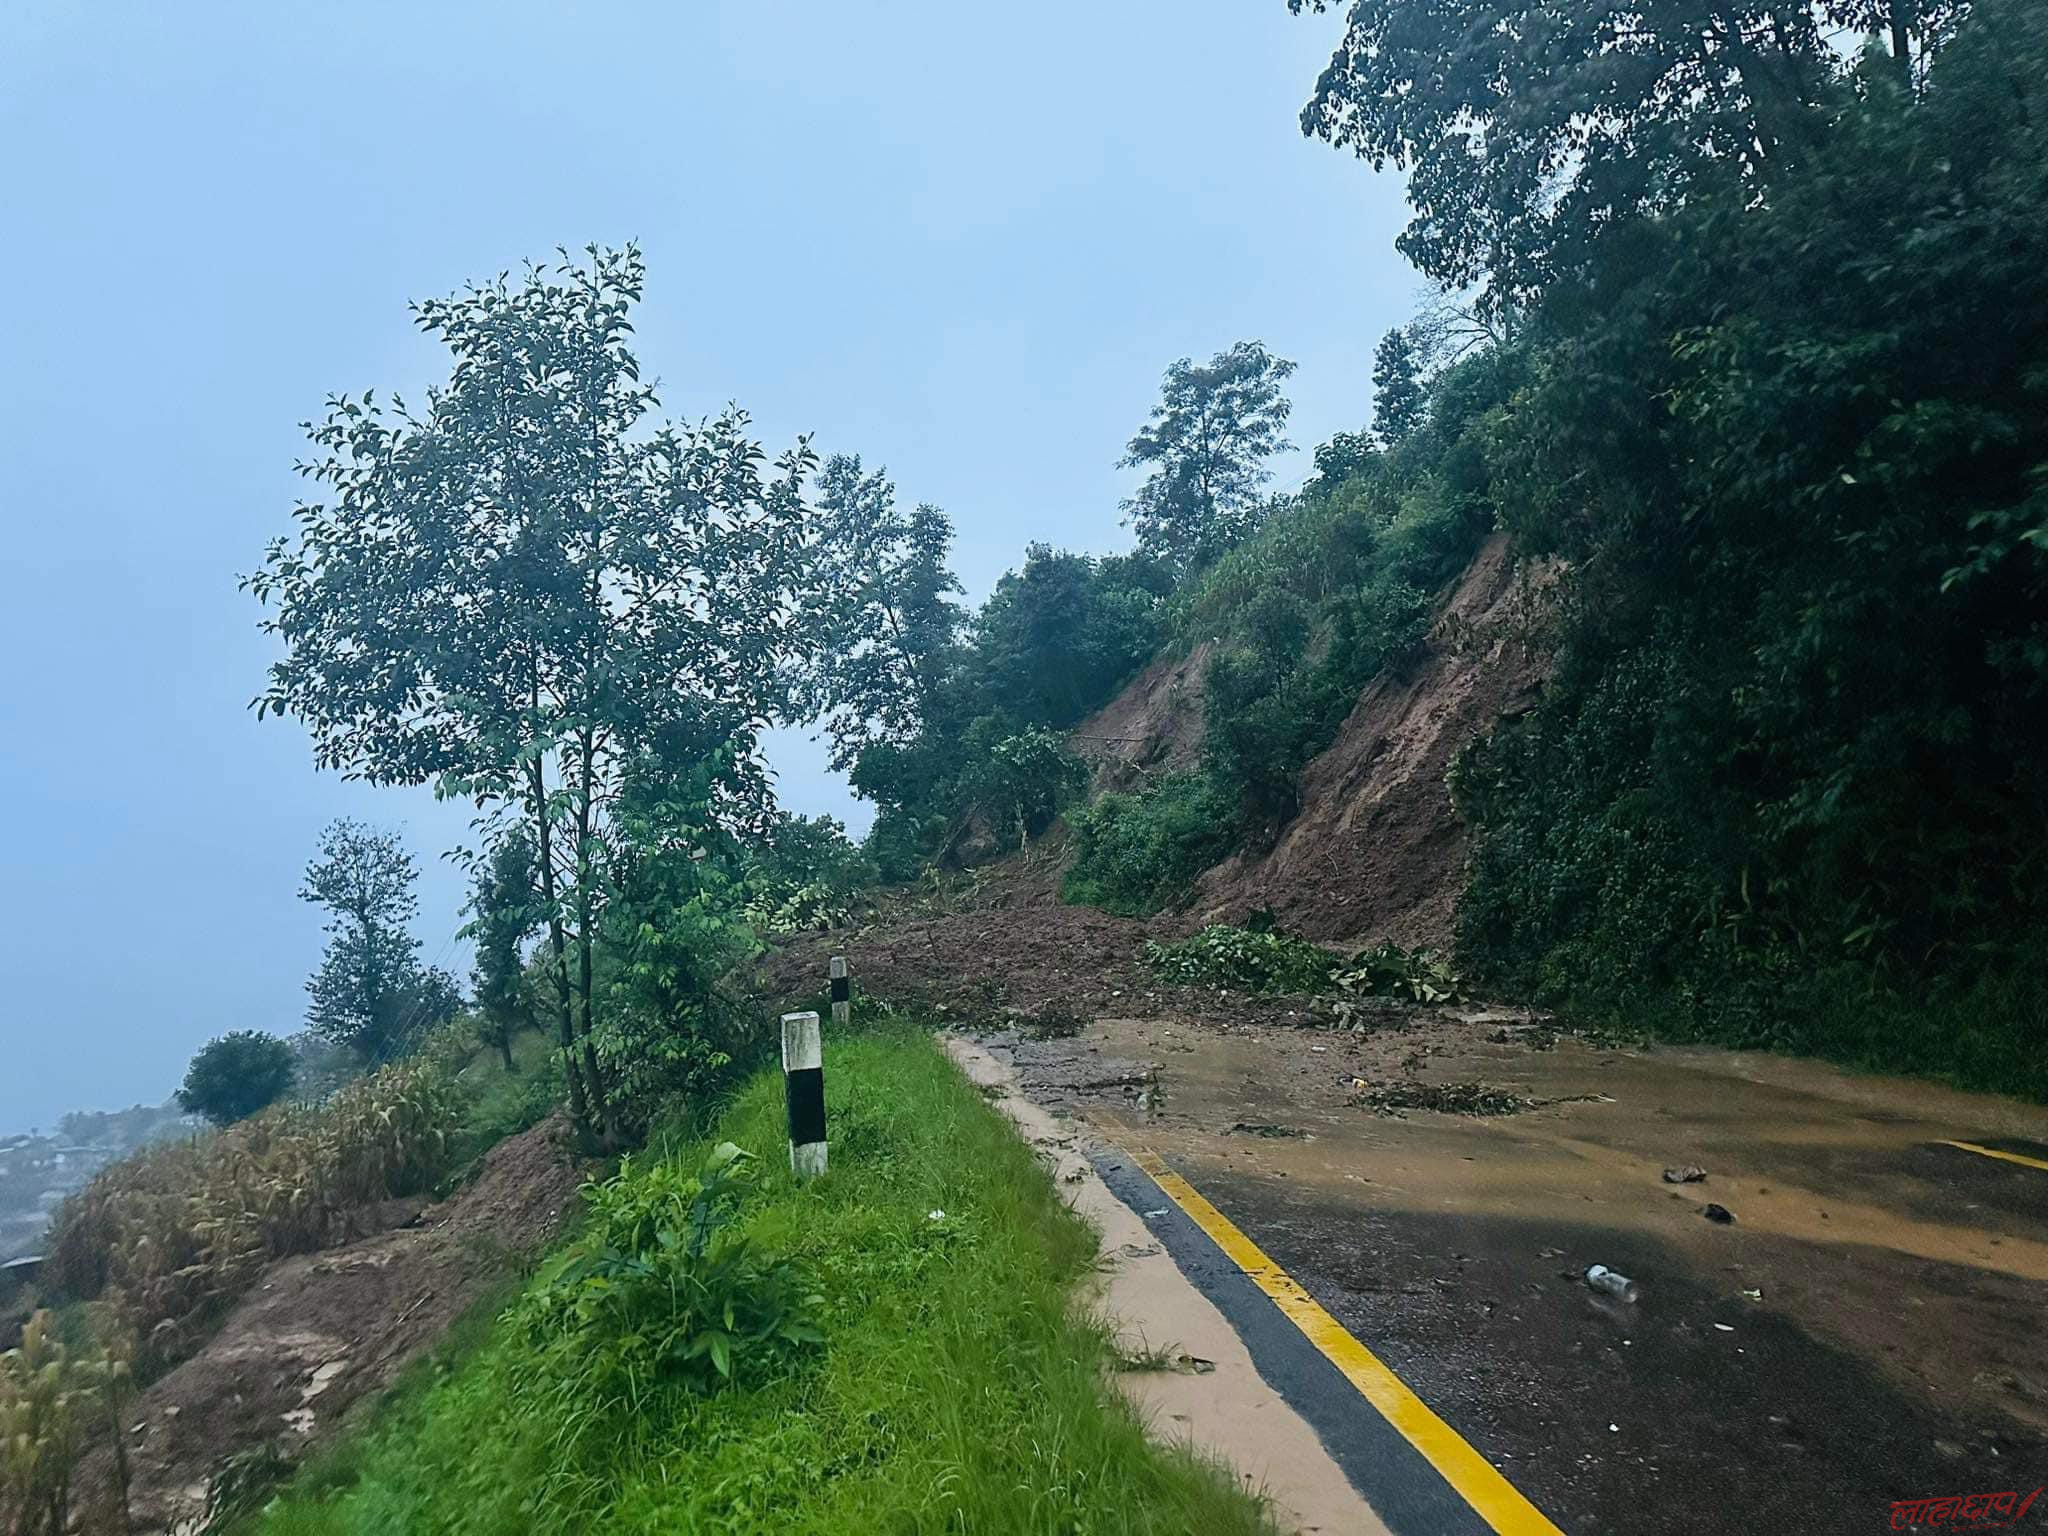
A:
[1377, 851]
[323, 1331]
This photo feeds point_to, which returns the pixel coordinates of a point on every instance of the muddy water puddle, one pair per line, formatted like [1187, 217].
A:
[1853, 1225]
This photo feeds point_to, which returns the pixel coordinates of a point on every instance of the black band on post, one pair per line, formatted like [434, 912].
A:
[842, 989]
[805, 1091]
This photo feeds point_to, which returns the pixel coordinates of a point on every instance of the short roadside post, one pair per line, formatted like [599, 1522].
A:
[842, 995]
[803, 1082]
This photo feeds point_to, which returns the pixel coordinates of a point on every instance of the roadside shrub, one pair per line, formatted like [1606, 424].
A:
[1021, 781]
[174, 1232]
[233, 1077]
[661, 1292]
[1221, 955]
[1134, 854]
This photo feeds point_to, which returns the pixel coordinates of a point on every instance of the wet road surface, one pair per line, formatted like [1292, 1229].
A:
[1871, 1325]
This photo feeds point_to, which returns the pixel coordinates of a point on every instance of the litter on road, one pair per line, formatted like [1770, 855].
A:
[1601, 1278]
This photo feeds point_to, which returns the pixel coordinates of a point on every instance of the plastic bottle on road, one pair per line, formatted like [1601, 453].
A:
[1601, 1278]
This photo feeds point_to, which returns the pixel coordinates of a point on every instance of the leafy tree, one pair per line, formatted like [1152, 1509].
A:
[365, 993]
[233, 1077]
[519, 590]
[1528, 128]
[1344, 455]
[673, 928]
[884, 626]
[803, 872]
[1216, 425]
[504, 906]
[1058, 637]
[1786, 784]
[1397, 397]
[1019, 782]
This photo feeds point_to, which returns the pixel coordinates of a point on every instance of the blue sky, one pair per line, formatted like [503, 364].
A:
[962, 241]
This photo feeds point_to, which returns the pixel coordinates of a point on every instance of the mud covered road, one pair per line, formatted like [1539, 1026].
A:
[1872, 1325]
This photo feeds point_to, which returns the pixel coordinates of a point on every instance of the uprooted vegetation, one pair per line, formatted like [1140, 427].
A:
[1264, 959]
[1255, 961]
[1445, 1098]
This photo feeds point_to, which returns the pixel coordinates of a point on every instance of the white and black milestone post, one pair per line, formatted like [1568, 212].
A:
[842, 995]
[803, 1082]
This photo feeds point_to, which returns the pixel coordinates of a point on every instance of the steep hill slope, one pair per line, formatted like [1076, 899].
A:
[1376, 850]
[1153, 727]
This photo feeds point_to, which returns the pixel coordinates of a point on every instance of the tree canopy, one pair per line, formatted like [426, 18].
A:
[371, 993]
[518, 591]
[1528, 127]
[1206, 447]
[884, 623]
[236, 1075]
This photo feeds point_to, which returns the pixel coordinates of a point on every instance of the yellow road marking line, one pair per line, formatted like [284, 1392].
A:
[2006, 1157]
[1471, 1475]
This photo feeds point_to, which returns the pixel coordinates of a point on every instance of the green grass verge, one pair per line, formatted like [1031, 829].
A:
[958, 1390]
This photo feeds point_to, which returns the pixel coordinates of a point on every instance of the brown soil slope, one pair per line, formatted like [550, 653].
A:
[1153, 727]
[1377, 851]
[324, 1330]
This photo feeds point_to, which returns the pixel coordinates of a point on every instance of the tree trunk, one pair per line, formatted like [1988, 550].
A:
[599, 1100]
[558, 946]
[1902, 19]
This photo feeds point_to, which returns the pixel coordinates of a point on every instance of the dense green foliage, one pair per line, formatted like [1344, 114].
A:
[660, 1290]
[673, 927]
[527, 596]
[1135, 852]
[956, 1388]
[1788, 787]
[985, 772]
[803, 872]
[234, 1076]
[1528, 130]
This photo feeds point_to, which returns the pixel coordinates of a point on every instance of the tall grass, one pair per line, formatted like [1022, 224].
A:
[172, 1234]
[957, 1390]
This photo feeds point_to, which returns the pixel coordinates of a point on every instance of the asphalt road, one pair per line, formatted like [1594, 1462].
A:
[1871, 1327]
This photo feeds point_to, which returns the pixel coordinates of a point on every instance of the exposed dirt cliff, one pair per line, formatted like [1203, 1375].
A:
[325, 1330]
[1152, 728]
[1376, 850]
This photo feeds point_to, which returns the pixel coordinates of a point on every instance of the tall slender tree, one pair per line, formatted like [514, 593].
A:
[504, 913]
[888, 624]
[1206, 446]
[517, 590]
[364, 993]
[1397, 396]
